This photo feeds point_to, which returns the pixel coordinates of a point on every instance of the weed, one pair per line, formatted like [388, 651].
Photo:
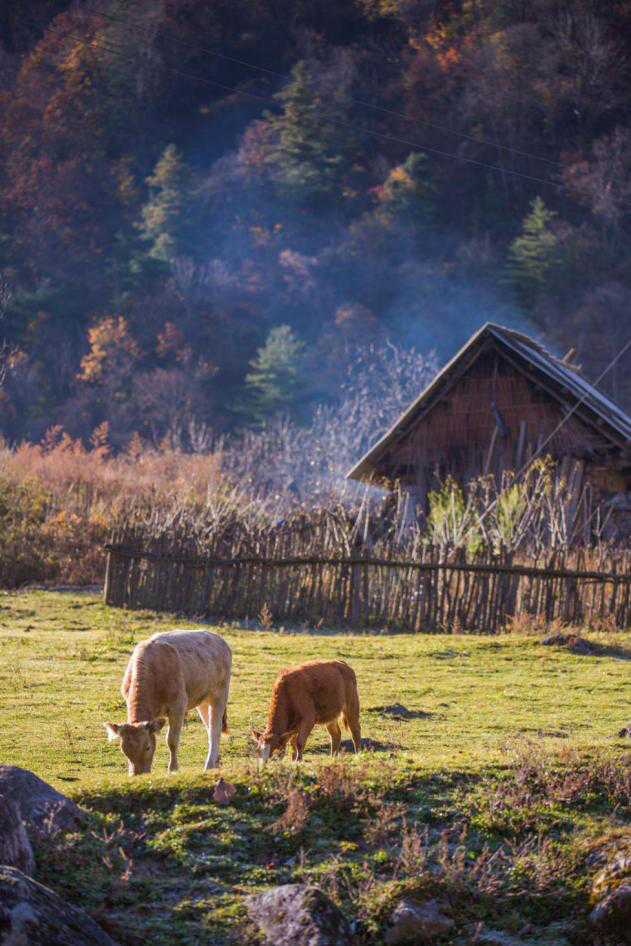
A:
[266, 619]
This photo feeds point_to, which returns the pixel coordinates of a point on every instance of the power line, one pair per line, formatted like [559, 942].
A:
[117, 50]
[396, 139]
[379, 108]
[564, 420]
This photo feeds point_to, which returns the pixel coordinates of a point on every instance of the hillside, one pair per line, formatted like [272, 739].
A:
[206, 208]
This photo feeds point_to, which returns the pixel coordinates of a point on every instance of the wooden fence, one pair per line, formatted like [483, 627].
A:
[374, 593]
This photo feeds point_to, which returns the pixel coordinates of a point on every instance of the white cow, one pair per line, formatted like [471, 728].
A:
[168, 675]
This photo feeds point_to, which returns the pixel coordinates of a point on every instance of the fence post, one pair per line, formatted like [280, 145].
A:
[107, 584]
[355, 593]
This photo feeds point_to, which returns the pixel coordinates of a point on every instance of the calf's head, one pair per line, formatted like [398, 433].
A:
[138, 742]
[268, 744]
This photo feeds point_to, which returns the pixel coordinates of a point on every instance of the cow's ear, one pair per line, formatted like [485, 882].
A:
[155, 725]
[255, 734]
[113, 731]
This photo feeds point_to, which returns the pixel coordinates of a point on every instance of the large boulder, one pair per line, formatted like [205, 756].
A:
[32, 915]
[414, 922]
[612, 916]
[43, 809]
[15, 847]
[299, 915]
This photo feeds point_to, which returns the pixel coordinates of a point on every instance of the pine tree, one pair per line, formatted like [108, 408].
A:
[534, 256]
[164, 215]
[273, 384]
[312, 151]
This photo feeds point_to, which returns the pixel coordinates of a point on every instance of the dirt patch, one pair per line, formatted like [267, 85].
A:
[400, 712]
[579, 645]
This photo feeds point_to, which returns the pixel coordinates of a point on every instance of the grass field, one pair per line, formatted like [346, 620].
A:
[511, 748]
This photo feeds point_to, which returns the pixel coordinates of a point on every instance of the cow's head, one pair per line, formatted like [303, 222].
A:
[268, 744]
[137, 741]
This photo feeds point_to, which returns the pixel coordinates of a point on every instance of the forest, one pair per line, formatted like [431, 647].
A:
[211, 212]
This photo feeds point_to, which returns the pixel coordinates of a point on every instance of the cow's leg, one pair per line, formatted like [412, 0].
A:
[176, 721]
[350, 718]
[306, 725]
[336, 736]
[356, 733]
[216, 711]
[294, 747]
[204, 714]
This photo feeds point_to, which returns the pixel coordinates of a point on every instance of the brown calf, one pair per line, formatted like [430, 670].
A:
[320, 691]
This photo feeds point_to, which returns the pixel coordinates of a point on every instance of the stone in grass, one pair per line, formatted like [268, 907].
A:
[612, 916]
[298, 915]
[15, 847]
[413, 922]
[484, 937]
[32, 915]
[550, 936]
[44, 810]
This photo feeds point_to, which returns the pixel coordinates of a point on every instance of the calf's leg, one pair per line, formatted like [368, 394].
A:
[336, 736]
[216, 711]
[350, 716]
[176, 721]
[306, 725]
[204, 712]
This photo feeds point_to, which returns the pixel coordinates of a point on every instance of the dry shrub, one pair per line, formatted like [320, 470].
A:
[266, 619]
[59, 500]
[338, 781]
[384, 822]
[541, 779]
[296, 815]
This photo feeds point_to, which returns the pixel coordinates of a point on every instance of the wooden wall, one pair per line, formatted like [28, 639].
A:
[460, 435]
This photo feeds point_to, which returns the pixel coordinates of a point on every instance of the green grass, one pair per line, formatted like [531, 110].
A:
[164, 864]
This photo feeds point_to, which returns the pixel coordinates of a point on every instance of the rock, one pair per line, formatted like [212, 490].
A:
[412, 922]
[44, 810]
[552, 935]
[32, 915]
[612, 916]
[615, 872]
[15, 847]
[485, 937]
[299, 915]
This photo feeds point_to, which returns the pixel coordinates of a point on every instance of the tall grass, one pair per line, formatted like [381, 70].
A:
[59, 501]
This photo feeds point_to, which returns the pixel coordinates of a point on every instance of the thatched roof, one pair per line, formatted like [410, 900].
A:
[560, 380]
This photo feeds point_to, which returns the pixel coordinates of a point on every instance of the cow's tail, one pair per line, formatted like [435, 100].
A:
[224, 720]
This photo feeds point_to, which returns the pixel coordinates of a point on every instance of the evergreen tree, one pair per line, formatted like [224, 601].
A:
[313, 153]
[534, 255]
[274, 383]
[164, 215]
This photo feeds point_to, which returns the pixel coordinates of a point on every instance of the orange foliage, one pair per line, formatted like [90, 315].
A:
[110, 344]
[80, 492]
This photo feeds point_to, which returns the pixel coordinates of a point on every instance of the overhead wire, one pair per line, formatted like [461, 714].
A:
[384, 136]
[362, 102]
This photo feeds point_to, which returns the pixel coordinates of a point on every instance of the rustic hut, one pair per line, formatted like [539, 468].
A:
[493, 407]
